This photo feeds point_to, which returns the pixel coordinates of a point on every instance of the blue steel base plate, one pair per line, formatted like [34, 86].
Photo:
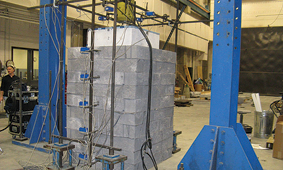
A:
[38, 147]
[221, 148]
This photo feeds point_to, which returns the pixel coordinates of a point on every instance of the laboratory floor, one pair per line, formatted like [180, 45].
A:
[189, 120]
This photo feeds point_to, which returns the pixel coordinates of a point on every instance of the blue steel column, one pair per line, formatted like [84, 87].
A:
[49, 49]
[223, 145]
[226, 62]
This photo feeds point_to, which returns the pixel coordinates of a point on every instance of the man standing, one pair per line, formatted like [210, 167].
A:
[7, 81]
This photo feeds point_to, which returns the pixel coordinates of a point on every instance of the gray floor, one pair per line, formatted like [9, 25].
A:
[190, 120]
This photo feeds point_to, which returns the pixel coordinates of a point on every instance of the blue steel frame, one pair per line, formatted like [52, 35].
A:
[49, 46]
[223, 144]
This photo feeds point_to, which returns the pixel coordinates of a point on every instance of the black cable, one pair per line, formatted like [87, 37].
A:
[6, 127]
[147, 133]
[148, 142]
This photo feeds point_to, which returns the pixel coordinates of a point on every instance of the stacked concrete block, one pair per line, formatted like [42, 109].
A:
[131, 92]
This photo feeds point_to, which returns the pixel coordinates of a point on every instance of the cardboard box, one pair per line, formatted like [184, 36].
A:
[278, 141]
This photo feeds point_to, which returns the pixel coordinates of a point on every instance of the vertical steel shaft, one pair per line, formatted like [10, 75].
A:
[49, 106]
[61, 88]
[177, 20]
[91, 86]
[21, 106]
[111, 151]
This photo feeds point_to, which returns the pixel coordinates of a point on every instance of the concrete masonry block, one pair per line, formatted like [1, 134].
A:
[136, 78]
[105, 52]
[80, 88]
[155, 103]
[156, 80]
[102, 65]
[140, 52]
[166, 122]
[105, 103]
[79, 65]
[75, 111]
[134, 92]
[167, 101]
[168, 68]
[119, 130]
[154, 126]
[105, 78]
[137, 131]
[165, 112]
[133, 156]
[158, 159]
[75, 134]
[167, 133]
[169, 89]
[74, 76]
[135, 105]
[167, 79]
[157, 67]
[136, 118]
[75, 53]
[170, 56]
[167, 143]
[156, 136]
[128, 144]
[167, 154]
[127, 65]
[75, 123]
[73, 99]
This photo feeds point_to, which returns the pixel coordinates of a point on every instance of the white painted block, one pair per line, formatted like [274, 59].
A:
[126, 35]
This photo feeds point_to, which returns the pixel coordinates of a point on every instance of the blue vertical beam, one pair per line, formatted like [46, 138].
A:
[223, 144]
[49, 50]
[226, 61]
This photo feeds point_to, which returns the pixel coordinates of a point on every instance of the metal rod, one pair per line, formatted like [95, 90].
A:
[57, 3]
[91, 86]
[49, 106]
[84, 142]
[175, 26]
[111, 151]
[21, 106]
[183, 22]
[80, 8]
[96, 4]
[176, 31]
[61, 72]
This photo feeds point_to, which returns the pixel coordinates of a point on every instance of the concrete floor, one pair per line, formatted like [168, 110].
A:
[190, 120]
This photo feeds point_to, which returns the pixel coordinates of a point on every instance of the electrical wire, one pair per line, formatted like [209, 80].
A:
[148, 142]
[6, 127]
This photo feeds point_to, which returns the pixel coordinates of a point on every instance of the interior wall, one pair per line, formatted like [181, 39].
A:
[15, 33]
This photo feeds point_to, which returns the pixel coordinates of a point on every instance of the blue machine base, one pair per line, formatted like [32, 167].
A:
[221, 148]
[38, 147]
[38, 127]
